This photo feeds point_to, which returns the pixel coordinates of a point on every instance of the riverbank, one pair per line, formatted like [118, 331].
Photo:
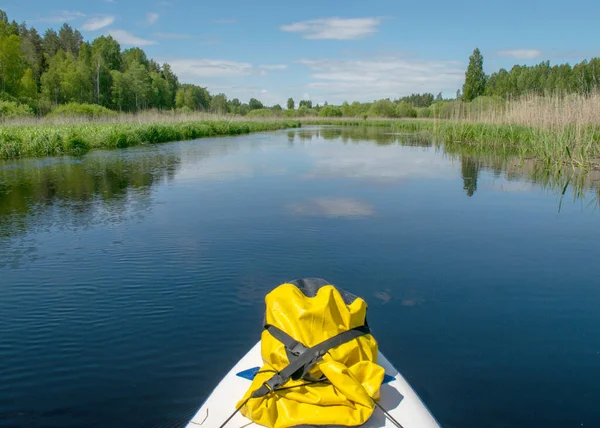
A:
[17, 140]
[557, 144]
[565, 144]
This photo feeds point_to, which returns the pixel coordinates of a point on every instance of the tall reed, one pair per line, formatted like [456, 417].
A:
[20, 140]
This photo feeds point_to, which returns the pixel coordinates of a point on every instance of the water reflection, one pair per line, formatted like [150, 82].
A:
[473, 161]
[103, 186]
[469, 170]
[332, 207]
[381, 136]
[111, 186]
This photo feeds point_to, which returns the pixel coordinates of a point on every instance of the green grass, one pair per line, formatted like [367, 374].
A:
[50, 140]
[557, 146]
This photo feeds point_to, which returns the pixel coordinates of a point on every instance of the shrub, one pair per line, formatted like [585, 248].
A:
[11, 109]
[383, 108]
[91, 111]
[261, 112]
[423, 112]
[330, 111]
[75, 144]
[305, 111]
[405, 109]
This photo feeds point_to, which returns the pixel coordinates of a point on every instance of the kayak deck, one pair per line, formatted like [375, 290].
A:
[397, 397]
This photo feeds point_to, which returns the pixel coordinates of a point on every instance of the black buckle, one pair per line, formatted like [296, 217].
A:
[298, 349]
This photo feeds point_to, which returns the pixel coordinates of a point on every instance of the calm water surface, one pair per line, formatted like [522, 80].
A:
[132, 280]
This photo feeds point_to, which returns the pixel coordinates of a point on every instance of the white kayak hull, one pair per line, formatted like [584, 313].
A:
[397, 397]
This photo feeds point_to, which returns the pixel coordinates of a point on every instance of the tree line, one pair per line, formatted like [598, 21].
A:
[582, 78]
[59, 67]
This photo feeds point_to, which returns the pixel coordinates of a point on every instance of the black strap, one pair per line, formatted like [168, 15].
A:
[292, 346]
[306, 359]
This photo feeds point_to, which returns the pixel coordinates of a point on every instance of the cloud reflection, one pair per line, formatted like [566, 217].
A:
[332, 207]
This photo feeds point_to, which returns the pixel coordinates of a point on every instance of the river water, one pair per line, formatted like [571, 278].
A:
[132, 280]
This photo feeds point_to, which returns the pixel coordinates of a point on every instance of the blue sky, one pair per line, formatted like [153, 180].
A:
[330, 50]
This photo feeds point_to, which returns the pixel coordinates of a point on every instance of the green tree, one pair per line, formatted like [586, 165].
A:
[53, 78]
[106, 56]
[254, 104]
[50, 43]
[132, 56]
[383, 108]
[120, 90]
[291, 104]
[77, 84]
[12, 65]
[172, 84]
[418, 100]
[475, 78]
[161, 96]
[109, 50]
[33, 53]
[305, 103]
[28, 86]
[330, 111]
[193, 97]
[70, 39]
[234, 106]
[244, 109]
[140, 83]
[405, 109]
[218, 104]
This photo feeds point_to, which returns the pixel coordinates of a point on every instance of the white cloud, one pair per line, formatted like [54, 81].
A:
[334, 28]
[189, 69]
[152, 17]
[521, 53]
[264, 69]
[371, 78]
[274, 67]
[97, 23]
[126, 38]
[59, 17]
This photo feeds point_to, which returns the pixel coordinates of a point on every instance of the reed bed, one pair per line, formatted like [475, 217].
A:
[51, 139]
[559, 130]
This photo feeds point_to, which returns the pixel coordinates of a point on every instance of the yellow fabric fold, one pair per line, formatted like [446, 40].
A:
[353, 376]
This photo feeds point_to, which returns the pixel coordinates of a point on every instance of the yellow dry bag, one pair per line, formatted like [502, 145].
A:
[320, 360]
